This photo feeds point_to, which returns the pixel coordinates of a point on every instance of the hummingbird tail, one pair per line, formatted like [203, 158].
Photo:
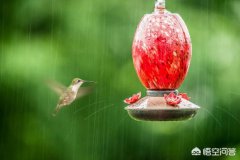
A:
[54, 114]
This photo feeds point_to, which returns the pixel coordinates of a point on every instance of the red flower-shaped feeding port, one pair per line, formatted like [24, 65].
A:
[184, 96]
[134, 98]
[172, 99]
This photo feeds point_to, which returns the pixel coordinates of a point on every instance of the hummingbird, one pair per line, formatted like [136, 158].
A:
[69, 94]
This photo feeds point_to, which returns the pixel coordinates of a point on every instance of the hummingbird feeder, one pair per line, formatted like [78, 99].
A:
[161, 53]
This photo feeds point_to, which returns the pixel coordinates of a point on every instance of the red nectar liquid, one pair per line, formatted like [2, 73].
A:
[161, 51]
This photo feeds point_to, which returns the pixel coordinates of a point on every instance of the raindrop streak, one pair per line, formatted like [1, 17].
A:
[91, 104]
[214, 117]
[229, 113]
[101, 109]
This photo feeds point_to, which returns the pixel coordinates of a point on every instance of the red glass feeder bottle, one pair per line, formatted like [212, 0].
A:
[161, 53]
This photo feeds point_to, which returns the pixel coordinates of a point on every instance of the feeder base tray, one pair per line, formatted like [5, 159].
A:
[155, 109]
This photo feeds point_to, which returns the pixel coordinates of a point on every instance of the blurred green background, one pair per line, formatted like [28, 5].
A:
[91, 39]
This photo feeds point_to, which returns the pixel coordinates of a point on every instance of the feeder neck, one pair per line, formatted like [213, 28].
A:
[159, 6]
[160, 93]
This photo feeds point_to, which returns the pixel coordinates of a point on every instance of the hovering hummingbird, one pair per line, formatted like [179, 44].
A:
[69, 94]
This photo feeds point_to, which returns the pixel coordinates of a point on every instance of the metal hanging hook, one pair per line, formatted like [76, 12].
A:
[160, 4]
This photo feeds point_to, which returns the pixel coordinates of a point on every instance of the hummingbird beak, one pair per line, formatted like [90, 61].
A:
[88, 81]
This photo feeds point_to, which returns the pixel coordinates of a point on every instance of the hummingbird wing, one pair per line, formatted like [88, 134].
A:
[56, 86]
[82, 91]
